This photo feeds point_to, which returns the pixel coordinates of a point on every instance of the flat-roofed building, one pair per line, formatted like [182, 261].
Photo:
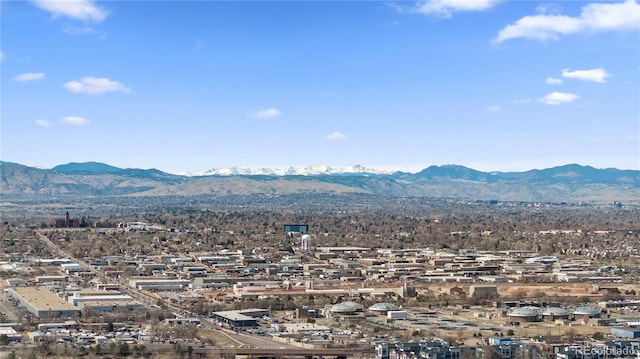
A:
[210, 282]
[110, 306]
[159, 284]
[623, 332]
[240, 318]
[344, 249]
[194, 271]
[98, 296]
[11, 334]
[51, 278]
[492, 279]
[42, 303]
[618, 304]
[51, 262]
[16, 282]
[108, 286]
[71, 267]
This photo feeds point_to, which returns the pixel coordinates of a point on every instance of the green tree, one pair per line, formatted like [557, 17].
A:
[139, 350]
[113, 348]
[123, 350]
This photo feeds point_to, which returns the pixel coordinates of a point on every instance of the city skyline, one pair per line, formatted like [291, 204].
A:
[191, 86]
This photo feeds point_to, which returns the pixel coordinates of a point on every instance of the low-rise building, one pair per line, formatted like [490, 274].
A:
[42, 303]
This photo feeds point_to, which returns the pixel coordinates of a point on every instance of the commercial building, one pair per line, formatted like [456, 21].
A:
[11, 334]
[624, 332]
[240, 318]
[159, 284]
[101, 301]
[42, 303]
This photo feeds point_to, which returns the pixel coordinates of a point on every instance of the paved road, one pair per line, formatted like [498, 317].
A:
[217, 352]
[251, 341]
[7, 308]
[124, 287]
[255, 341]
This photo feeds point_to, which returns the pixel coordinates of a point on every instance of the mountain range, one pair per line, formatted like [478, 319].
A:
[571, 183]
[288, 171]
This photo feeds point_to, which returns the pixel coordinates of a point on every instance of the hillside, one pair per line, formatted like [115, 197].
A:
[569, 183]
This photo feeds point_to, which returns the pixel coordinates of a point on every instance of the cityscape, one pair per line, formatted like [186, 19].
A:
[465, 279]
[428, 179]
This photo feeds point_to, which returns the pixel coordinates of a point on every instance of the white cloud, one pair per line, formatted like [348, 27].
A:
[607, 16]
[335, 136]
[73, 121]
[42, 123]
[557, 98]
[84, 10]
[30, 76]
[268, 113]
[78, 30]
[540, 27]
[493, 108]
[548, 8]
[553, 81]
[596, 75]
[95, 86]
[521, 101]
[593, 17]
[446, 8]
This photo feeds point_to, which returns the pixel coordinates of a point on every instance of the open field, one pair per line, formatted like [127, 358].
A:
[218, 337]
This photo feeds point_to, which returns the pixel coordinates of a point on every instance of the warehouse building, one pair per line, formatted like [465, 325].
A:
[42, 303]
[624, 332]
[240, 318]
[159, 284]
[78, 298]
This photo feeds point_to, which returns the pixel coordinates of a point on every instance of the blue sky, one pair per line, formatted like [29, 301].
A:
[195, 85]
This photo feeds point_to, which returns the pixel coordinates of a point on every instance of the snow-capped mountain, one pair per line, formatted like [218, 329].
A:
[288, 171]
[571, 182]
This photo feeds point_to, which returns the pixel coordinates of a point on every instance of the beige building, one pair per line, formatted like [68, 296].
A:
[42, 303]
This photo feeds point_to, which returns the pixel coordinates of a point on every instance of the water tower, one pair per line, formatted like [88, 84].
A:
[306, 244]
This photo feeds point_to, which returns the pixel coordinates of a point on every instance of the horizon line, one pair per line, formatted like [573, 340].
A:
[382, 169]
